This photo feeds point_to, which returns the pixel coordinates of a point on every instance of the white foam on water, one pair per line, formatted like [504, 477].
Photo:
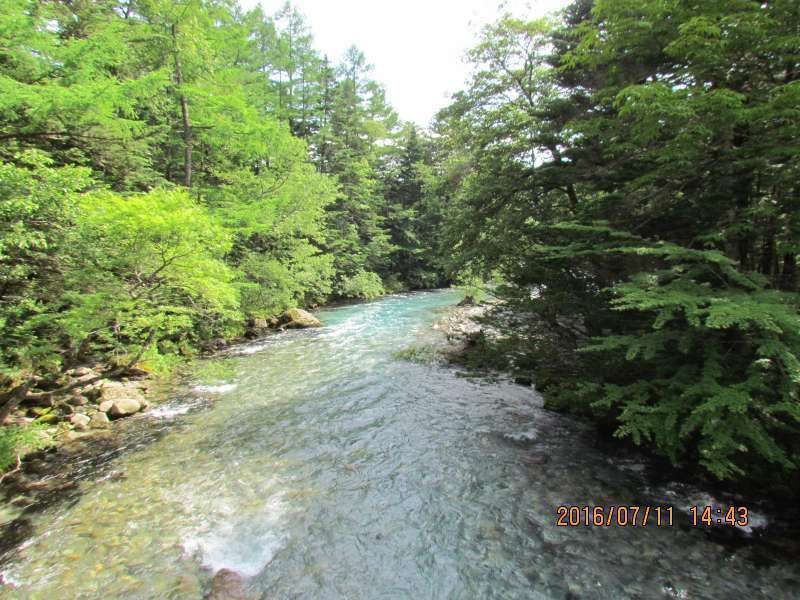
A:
[255, 348]
[246, 553]
[215, 389]
[528, 435]
[170, 411]
[9, 580]
[755, 520]
[245, 544]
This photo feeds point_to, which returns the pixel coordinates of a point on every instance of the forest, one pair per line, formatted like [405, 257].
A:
[623, 177]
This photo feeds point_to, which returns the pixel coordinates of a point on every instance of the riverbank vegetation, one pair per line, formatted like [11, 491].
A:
[630, 171]
[171, 172]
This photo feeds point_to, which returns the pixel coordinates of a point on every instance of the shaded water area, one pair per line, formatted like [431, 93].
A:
[318, 465]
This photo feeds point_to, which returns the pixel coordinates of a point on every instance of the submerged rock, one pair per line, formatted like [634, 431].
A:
[229, 585]
[297, 318]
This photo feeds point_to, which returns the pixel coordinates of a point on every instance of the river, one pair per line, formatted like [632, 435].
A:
[319, 465]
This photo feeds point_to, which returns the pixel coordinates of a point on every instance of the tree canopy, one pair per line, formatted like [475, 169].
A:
[630, 171]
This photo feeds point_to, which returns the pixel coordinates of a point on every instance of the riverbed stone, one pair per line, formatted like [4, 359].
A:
[99, 420]
[105, 405]
[124, 407]
[297, 318]
[79, 421]
[126, 398]
[228, 585]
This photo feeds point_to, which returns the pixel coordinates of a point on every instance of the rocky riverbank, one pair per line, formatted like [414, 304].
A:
[94, 397]
[86, 414]
[82, 410]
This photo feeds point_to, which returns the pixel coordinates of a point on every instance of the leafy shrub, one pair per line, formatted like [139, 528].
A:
[18, 440]
[364, 284]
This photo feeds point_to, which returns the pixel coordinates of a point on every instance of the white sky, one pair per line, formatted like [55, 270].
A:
[416, 46]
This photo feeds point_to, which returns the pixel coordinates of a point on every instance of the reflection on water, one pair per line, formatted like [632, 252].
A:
[325, 468]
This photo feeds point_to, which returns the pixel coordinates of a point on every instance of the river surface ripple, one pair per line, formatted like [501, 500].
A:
[321, 466]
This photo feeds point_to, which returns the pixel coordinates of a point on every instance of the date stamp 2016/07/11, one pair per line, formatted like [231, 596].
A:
[648, 516]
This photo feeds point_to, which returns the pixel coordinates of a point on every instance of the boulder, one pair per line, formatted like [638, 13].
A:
[125, 398]
[228, 585]
[99, 421]
[124, 407]
[79, 421]
[296, 318]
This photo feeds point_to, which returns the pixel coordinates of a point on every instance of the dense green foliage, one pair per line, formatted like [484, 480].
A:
[631, 171]
[171, 171]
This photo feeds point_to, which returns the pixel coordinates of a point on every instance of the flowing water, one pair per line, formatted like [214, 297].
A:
[325, 467]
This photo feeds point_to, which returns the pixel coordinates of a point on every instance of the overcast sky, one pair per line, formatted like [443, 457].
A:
[416, 46]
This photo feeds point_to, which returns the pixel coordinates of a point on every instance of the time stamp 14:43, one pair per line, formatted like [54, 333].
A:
[644, 516]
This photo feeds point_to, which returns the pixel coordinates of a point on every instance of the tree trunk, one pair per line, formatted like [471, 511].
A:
[767, 262]
[789, 273]
[187, 126]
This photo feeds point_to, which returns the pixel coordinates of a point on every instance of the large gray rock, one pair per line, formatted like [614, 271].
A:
[124, 407]
[297, 318]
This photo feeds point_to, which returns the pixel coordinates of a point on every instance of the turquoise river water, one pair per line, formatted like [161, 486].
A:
[319, 465]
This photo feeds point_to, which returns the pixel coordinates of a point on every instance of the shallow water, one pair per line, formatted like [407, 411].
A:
[323, 467]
